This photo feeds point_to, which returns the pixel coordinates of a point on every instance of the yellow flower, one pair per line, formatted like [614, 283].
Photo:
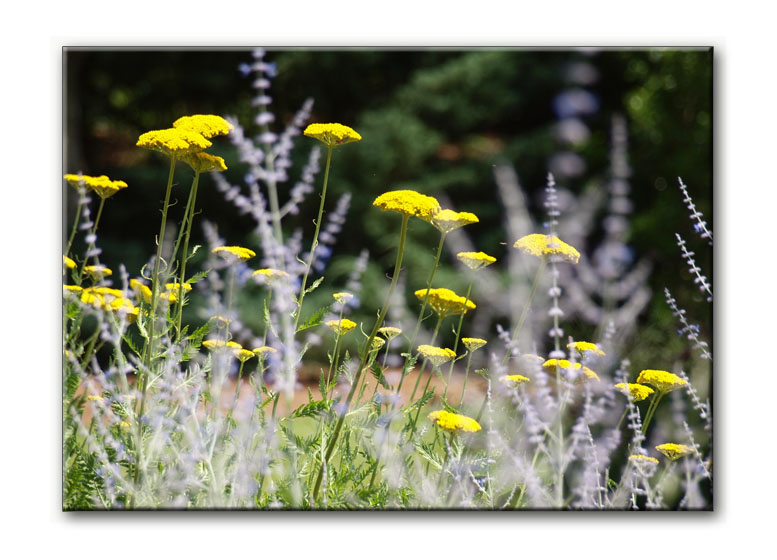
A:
[68, 262]
[674, 451]
[141, 289]
[206, 125]
[517, 379]
[240, 253]
[476, 260]
[97, 271]
[446, 302]
[174, 141]
[585, 347]
[240, 353]
[454, 422]
[90, 298]
[438, 356]
[638, 392]
[112, 293]
[204, 162]
[661, 380]
[342, 297]
[270, 274]
[551, 365]
[176, 286]
[447, 220]
[264, 350]
[125, 425]
[95, 398]
[125, 305]
[341, 327]
[102, 185]
[642, 459]
[332, 134]
[377, 344]
[72, 289]
[541, 245]
[390, 332]
[473, 344]
[408, 202]
[212, 344]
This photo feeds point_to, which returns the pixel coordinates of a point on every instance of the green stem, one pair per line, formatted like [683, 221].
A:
[526, 307]
[651, 411]
[315, 239]
[456, 343]
[185, 255]
[466, 375]
[75, 225]
[365, 353]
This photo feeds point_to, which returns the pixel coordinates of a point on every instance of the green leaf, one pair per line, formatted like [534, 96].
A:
[314, 285]
[200, 275]
[315, 319]
[377, 373]
[311, 409]
[482, 372]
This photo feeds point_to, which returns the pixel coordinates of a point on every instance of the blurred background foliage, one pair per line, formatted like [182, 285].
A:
[436, 121]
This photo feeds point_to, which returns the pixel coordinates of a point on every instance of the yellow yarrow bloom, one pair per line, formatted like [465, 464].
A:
[102, 185]
[97, 271]
[473, 344]
[390, 332]
[408, 202]
[240, 353]
[581, 346]
[141, 289]
[206, 125]
[551, 365]
[176, 286]
[95, 398]
[332, 134]
[445, 302]
[541, 245]
[270, 274]
[642, 459]
[454, 422]
[516, 379]
[342, 297]
[240, 253]
[341, 327]
[213, 343]
[204, 162]
[72, 289]
[438, 356]
[174, 141]
[638, 392]
[477, 260]
[103, 291]
[68, 262]
[661, 380]
[377, 344]
[264, 350]
[447, 220]
[674, 451]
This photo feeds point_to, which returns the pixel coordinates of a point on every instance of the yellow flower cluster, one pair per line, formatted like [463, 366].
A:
[390, 332]
[448, 220]
[454, 422]
[332, 134]
[408, 202]
[476, 260]
[643, 459]
[97, 271]
[270, 274]
[264, 350]
[661, 380]
[551, 365]
[68, 262]
[674, 451]
[108, 299]
[638, 392]
[240, 353]
[203, 162]
[514, 379]
[341, 327]
[187, 136]
[438, 356]
[541, 245]
[445, 302]
[377, 344]
[473, 344]
[141, 289]
[342, 297]
[206, 125]
[581, 347]
[234, 252]
[102, 185]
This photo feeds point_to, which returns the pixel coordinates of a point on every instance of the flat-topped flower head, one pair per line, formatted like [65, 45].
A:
[377, 344]
[71, 289]
[267, 275]
[566, 365]
[262, 350]
[341, 327]
[637, 391]
[389, 332]
[643, 460]
[203, 162]
[174, 141]
[448, 220]
[108, 293]
[68, 262]
[445, 302]
[240, 353]
[342, 297]
[661, 380]
[476, 260]
[123, 305]
[541, 245]
[213, 343]
[234, 253]
[454, 422]
[437, 356]
[97, 271]
[674, 451]
[102, 185]
[473, 344]
[408, 202]
[206, 125]
[332, 134]
[581, 347]
[176, 286]
[141, 289]
[514, 379]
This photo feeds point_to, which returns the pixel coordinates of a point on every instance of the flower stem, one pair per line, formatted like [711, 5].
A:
[75, 221]
[526, 308]
[185, 254]
[651, 411]
[456, 343]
